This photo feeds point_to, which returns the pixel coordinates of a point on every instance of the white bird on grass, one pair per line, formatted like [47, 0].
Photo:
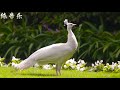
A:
[55, 53]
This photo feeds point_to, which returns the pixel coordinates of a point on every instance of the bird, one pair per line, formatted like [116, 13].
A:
[57, 53]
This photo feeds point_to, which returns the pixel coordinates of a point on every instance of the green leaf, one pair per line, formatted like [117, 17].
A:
[108, 33]
[106, 47]
[96, 53]
[84, 45]
[117, 54]
[10, 49]
[91, 25]
[16, 51]
[30, 47]
[96, 44]
[90, 47]
[83, 54]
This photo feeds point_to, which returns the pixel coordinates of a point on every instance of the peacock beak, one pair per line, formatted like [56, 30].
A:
[74, 24]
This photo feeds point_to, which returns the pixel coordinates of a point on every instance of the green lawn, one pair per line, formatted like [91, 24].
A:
[9, 72]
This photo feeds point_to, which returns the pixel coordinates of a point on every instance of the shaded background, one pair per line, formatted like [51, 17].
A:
[98, 34]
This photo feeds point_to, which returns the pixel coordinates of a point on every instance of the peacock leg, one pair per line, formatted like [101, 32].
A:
[58, 68]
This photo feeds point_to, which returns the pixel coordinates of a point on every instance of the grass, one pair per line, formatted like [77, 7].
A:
[9, 72]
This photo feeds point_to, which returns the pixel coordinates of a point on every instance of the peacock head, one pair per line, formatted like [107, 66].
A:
[69, 25]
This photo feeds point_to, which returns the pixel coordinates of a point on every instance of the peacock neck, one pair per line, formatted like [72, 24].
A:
[72, 41]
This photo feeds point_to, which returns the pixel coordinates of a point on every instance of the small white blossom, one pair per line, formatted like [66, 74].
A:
[112, 63]
[1, 64]
[36, 65]
[54, 66]
[115, 64]
[101, 61]
[93, 65]
[73, 67]
[112, 67]
[78, 68]
[46, 67]
[65, 67]
[13, 63]
[98, 62]
[67, 62]
[107, 64]
[79, 65]
[82, 61]
[5, 65]
[91, 69]
[13, 58]
[82, 69]
[119, 62]
[119, 66]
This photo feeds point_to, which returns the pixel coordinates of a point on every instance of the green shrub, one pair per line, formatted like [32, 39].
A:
[20, 38]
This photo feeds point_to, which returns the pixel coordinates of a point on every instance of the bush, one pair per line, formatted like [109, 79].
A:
[20, 38]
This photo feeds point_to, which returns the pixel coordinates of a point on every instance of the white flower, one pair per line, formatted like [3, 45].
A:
[73, 67]
[46, 67]
[119, 62]
[65, 67]
[13, 63]
[79, 61]
[67, 62]
[82, 69]
[82, 62]
[13, 58]
[91, 69]
[112, 63]
[119, 66]
[5, 65]
[93, 65]
[97, 61]
[79, 65]
[78, 68]
[107, 64]
[1, 64]
[115, 64]
[112, 67]
[72, 61]
[96, 64]
[101, 61]
[54, 66]
[36, 65]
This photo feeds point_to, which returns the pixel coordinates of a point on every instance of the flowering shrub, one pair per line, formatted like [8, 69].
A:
[115, 67]
[81, 65]
[98, 66]
[14, 61]
[47, 67]
[71, 64]
[2, 62]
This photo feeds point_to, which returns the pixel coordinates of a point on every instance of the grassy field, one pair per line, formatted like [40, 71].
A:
[9, 72]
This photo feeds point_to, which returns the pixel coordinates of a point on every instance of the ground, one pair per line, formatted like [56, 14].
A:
[9, 72]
